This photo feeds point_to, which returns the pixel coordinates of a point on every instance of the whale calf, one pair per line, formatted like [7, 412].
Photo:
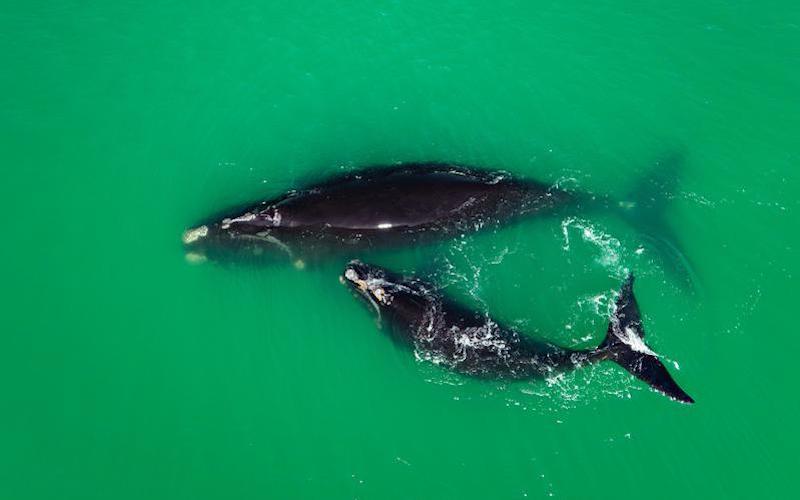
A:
[372, 208]
[470, 343]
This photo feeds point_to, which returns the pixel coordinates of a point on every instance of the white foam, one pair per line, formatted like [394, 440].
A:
[609, 247]
[634, 341]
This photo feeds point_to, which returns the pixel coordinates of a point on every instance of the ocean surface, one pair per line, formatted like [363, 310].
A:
[129, 373]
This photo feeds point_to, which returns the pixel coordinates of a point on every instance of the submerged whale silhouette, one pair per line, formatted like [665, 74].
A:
[396, 206]
[470, 343]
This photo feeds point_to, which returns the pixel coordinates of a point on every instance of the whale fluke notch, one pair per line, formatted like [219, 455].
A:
[624, 344]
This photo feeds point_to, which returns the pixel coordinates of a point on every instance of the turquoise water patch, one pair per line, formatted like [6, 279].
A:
[131, 373]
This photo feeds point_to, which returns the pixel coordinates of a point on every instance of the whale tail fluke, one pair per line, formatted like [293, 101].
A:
[645, 209]
[624, 344]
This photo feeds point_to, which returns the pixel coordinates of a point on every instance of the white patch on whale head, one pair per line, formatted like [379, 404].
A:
[226, 223]
[372, 288]
[192, 235]
[351, 275]
[385, 225]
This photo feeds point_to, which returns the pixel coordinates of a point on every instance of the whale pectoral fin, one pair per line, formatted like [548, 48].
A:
[645, 208]
[624, 344]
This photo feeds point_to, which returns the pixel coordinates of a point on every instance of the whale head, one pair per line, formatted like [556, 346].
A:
[251, 234]
[391, 295]
[372, 282]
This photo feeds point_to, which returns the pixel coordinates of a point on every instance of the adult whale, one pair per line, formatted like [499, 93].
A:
[374, 208]
[399, 206]
[469, 342]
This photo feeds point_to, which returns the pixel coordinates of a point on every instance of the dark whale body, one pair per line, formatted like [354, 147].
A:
[374, 208]
[470, 343]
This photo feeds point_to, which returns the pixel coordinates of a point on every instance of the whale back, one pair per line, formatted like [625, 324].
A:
[409, 197]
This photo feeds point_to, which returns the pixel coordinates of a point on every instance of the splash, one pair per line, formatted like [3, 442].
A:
[464, 264]
[609, 249]
[463, 254]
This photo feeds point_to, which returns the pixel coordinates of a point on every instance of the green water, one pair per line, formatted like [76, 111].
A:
[128, 373]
